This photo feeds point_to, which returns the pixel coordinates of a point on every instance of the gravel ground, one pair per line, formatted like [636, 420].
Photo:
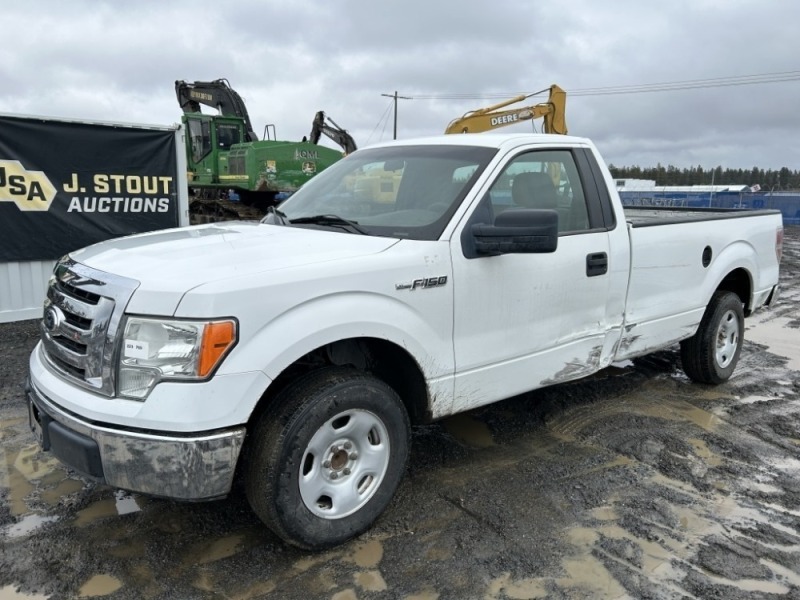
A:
[635, 483]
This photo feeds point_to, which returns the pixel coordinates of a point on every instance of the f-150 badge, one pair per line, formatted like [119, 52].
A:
[427, 282]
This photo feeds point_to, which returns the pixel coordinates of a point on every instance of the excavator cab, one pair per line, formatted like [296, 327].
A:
[208, 143]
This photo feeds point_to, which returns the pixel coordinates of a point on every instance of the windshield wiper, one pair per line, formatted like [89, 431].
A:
[334, 220]
[275, 216]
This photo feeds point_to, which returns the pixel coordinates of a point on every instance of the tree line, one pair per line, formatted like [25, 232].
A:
[769, 179]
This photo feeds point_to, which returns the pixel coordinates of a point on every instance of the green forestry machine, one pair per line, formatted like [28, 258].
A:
[234, 175]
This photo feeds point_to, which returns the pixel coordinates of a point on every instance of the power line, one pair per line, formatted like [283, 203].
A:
[384, 119]
[692, 84]
[740, 80]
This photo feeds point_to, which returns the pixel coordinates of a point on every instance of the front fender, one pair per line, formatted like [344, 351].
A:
[316, 322]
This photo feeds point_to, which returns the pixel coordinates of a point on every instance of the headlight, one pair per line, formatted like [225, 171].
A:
[155, 349]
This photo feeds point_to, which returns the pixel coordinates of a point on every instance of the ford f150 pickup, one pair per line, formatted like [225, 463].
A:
[409, 281]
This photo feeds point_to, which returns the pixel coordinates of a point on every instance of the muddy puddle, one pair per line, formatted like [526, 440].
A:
[779, 337]
[10, 592]
[633, 484]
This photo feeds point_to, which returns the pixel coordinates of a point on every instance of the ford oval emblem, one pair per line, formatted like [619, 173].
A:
[52, 318]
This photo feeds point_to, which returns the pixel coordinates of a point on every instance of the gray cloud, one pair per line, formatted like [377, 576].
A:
[118, 61]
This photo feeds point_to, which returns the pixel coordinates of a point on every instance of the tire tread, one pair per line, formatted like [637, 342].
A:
[698, 352]
[263, 472]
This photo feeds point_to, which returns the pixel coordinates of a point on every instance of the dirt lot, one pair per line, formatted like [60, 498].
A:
[633, 484]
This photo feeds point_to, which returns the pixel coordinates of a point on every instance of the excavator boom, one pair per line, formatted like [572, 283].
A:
[333, 131]
[491, 117]
[216, 94]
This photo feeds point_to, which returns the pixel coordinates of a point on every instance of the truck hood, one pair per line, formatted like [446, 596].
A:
[169, 263]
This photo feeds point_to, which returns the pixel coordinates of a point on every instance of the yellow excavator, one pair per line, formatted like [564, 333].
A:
[491, 117]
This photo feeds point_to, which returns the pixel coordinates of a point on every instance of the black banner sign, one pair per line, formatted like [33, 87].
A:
[65, 185]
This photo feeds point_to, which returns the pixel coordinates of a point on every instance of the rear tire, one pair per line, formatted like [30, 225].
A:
[711, 354]
[325, 461]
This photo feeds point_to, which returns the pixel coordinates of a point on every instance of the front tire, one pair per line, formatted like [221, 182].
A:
[325, 461]
[711, 354]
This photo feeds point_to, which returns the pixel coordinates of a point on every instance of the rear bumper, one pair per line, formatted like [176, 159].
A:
[185, 467]
[773, 296]
[763, 299]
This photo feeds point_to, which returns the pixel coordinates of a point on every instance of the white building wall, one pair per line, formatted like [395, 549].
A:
[22, 289]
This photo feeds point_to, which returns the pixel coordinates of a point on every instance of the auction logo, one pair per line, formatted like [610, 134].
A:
[29, 190]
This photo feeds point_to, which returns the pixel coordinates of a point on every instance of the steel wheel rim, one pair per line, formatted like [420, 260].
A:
[344, 464]
[727, 339]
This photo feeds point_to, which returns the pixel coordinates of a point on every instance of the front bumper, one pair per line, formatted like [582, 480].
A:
[180, 466]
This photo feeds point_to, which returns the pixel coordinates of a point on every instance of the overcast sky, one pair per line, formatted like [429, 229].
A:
[118, 61]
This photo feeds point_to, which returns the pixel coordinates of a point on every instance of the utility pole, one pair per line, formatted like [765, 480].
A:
[395, 96]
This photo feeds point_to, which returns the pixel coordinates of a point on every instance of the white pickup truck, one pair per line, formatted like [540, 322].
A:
[410, 281]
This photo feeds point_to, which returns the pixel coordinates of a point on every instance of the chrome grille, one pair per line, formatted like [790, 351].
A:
[82, 314]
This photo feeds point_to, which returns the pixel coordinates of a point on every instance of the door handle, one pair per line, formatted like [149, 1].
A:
[596, 264]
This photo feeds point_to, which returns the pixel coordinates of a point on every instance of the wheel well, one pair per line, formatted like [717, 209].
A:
[386, 360]
[738, 281]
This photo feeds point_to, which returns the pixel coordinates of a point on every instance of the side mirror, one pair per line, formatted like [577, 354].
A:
[518, 231]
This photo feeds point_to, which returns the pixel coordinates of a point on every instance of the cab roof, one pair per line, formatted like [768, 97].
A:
[489, 140]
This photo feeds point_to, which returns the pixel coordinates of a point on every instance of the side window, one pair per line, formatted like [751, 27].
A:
[227, 135]
[200, 135]
[543, 179]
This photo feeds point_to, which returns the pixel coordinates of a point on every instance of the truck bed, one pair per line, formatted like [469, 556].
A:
[664, 215]
[675, 269]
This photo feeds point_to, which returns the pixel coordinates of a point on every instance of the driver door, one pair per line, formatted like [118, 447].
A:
[522, 321]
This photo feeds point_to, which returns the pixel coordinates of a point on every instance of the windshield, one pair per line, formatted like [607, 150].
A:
[399, 191]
